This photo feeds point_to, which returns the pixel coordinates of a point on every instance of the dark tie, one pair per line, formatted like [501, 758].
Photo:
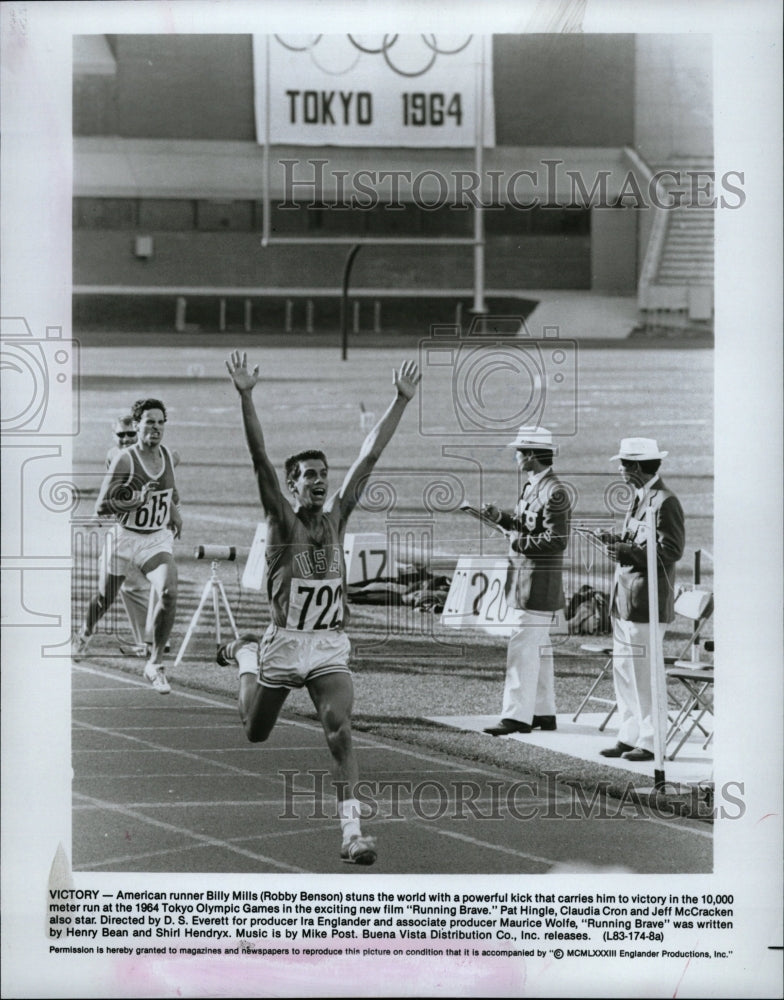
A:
[632, 513]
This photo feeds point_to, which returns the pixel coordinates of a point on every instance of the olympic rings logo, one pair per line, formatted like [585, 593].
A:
[406, 55]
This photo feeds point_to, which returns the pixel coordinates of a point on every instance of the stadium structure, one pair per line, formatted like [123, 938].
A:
[597, 176]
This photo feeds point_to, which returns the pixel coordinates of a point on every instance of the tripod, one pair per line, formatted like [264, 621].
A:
[213, 587]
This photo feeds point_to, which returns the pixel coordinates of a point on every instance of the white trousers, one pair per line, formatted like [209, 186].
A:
[633, 682]
[530, 685]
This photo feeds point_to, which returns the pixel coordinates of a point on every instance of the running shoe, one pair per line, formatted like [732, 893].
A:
[156, 675]
[359, 851]
[226, 655]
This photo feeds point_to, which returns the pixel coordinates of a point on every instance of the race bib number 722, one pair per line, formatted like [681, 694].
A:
[315, 604]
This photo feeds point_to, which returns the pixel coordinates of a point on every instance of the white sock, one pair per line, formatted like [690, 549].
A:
[247, 657]
[349, 811]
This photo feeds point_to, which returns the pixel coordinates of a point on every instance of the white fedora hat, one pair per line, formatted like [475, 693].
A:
[533, 437]
[639, 450]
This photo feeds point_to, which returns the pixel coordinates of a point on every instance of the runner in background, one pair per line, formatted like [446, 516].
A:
[140, 491]
[135, 590]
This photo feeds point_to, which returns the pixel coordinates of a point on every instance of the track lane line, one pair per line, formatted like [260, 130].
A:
[149, 745]
[202, 839]
[124, 859]
[476, 842]
[368, 742]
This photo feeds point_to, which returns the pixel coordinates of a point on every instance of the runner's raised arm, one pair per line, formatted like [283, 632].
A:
[244, 382]
[405, 380]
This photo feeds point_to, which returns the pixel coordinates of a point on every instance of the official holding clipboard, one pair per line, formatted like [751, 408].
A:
[640, 459]
[538, 531]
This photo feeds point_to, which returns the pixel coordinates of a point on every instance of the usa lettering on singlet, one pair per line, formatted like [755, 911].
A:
[306, 574]
[155, 512]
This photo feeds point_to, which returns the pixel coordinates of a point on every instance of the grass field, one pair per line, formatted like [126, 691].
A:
[310, 398]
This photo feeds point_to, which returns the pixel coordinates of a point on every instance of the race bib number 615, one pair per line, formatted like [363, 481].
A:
[315, 604]
[154, 513]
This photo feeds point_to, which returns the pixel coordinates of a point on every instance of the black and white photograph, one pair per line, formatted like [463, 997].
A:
[362, 370]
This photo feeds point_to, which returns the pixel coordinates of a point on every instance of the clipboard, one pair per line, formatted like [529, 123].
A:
[475, 512]
[592, 537]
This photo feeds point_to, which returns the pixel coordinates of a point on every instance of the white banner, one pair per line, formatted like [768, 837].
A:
[381, 90]
[367, 557]
[476, 596]
[256, 567]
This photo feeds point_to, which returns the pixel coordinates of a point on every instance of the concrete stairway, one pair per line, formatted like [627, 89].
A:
[687, 255]
[676, 286]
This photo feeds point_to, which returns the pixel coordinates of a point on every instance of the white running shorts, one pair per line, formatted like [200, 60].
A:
[289, 658]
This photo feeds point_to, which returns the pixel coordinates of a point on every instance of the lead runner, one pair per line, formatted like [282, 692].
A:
[305, 644]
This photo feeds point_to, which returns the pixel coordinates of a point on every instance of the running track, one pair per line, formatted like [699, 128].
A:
[170, 784]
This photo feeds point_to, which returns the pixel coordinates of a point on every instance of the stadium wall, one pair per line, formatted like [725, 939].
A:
[673, 97]
[651, 93]
[236, 260]
[201, 87]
